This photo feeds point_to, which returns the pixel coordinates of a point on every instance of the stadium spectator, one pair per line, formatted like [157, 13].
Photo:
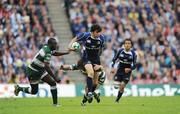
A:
[24, 27]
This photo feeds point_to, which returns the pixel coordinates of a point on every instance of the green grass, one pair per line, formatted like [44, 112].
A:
[128, 105]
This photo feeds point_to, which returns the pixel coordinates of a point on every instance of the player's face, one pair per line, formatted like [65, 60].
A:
[54, 45]
[127, 45]
[96, 34]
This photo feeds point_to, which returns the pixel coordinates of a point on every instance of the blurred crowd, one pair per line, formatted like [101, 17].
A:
[25, 27]
[153, 26]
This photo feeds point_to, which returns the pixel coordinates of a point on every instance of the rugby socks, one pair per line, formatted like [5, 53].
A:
[25, 89]
[119, 96]
[89, 84]
[54, 94]
[84, 99]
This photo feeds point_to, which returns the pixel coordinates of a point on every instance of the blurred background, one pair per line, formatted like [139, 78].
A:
[153, 26]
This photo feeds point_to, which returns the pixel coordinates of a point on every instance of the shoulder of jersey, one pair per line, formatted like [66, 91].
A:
[102, 38]
[121, 49]
[87, 33]
[46, 49]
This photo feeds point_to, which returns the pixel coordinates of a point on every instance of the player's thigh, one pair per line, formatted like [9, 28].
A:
[89, 70]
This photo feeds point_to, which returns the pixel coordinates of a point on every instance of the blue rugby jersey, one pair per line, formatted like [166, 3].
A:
[126, 59]
[92, 47]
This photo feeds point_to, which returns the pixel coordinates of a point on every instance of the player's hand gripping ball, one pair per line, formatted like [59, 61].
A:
[76, 46]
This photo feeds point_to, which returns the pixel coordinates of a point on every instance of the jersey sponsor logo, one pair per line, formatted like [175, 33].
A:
[92, 48]
[121, 55]
[130, 57]
[88, 41]
[125, 62]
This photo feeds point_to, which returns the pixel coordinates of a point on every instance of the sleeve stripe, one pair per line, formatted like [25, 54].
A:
[81, 36]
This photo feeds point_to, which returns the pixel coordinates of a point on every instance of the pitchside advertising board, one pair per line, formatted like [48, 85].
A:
[72, 90]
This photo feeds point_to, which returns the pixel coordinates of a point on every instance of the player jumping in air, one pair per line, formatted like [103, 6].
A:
[93, 43]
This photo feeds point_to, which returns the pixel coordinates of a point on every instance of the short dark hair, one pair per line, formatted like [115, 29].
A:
[51, 41]
[96, 27]
[128, 39]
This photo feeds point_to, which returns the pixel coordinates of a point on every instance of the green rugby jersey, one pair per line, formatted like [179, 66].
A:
[44, 55]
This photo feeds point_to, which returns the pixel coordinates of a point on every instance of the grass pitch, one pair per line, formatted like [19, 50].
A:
[128, 105]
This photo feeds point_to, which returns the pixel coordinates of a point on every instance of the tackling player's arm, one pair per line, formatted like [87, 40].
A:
[58, 53]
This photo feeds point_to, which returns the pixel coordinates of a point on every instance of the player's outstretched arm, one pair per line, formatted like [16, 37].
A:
[58, 53]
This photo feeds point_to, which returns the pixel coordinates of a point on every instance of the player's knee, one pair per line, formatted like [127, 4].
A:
[95, 82]
[34, 91]
[53, 83]
[122, 86]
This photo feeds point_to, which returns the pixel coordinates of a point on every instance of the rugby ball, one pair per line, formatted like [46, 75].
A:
[76, 46]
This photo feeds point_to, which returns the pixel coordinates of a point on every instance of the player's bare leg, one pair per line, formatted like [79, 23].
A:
[53, 89]
[121, 90]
